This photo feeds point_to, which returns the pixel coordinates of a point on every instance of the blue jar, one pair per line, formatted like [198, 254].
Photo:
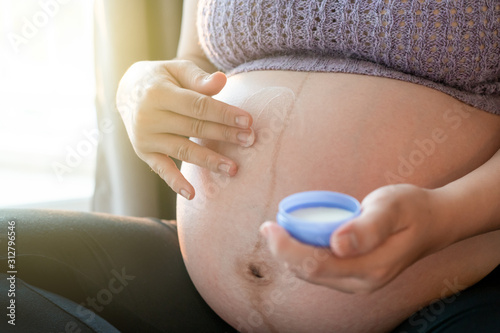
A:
[311, 217]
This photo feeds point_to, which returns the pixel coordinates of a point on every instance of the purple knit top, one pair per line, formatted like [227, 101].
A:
[448, 45]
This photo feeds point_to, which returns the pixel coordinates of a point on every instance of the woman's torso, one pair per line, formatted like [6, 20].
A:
[342, 132]
[449, 45]
[326, 131]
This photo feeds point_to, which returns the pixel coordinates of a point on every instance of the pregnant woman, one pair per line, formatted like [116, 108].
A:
[393, 102]
[347, 96]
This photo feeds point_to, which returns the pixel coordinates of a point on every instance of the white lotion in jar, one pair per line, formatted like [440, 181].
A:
[322, 214]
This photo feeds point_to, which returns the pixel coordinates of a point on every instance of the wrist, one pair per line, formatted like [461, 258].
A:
[449, 214]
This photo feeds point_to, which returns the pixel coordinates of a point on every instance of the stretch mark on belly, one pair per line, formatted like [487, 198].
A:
[275, 107]
[287, 118]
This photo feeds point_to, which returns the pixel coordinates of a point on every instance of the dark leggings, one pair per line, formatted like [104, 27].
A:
[128, 271]
[82, 272]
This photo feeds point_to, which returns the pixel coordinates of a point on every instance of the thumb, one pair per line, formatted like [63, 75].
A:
[192, 77]
[364, 233]
[212, 84]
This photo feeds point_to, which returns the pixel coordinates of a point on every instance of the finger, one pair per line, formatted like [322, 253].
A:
[186, 126]
[185, 150]
[195, 80]
[166, 168]
[360, 274]
[170, 97]
[314, 264]
[380, 218]
[303, 259]
[190, 76]
[362, 234]
[286, 249]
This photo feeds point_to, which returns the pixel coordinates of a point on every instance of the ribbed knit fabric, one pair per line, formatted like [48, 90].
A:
[448, 45]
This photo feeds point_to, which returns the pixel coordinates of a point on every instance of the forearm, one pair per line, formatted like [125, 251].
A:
[189, 46]
[471, 205]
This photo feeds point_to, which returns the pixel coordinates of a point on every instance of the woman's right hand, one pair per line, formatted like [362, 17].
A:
[163, 103]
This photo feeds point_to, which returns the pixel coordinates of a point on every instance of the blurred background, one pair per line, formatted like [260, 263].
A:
[62, 142]
[47, 101]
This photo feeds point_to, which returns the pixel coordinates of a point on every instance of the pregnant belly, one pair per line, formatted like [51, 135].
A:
[338, 132]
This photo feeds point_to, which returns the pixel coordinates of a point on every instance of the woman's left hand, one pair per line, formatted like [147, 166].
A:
[398, 225]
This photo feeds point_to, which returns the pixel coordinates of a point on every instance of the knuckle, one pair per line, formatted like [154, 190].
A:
[138, 138]
[198, 127]
[168, 177]
[152, 91]
[141, 154]
[183, 63]
[372, 235]
[160, 170]
[154, 163]
[140, 119]
[227, 133]
[140, 145]
[168, 174]
[184, 68]
[137, 143]
[173, 181]
[159, 166]
[196, 75]
[376, 278]
[226, 115]
[142, 90]
[184, 152]
[200, 107]
[210, 162]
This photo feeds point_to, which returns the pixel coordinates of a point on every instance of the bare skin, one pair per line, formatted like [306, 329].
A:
[343, 137]
[301, 131]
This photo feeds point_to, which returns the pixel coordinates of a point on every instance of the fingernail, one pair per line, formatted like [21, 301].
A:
[209, 77]
[346, 244]
[242, 121]
[246, 138]
[224, 167]
[185, 194]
